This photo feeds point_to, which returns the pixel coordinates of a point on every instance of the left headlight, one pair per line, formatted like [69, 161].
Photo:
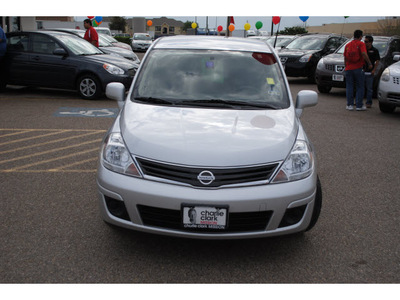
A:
[385, 75]
[116, 157]
[113, 69]
[305, 58]
[298, 165]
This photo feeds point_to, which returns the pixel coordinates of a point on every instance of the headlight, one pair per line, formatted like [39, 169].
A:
[298, 165]
[113, 69]
[116, 157]
[320, 65]
[385, 75]
[305, 58]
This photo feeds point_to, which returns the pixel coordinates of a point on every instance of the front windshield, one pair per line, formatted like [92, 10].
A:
[280, 41]
[378, 44]
[204, 76]
[307, 43]
[77, 45]
[145, 37]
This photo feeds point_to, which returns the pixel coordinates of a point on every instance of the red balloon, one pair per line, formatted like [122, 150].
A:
[219, 28]
[276, 20]
[91, 17]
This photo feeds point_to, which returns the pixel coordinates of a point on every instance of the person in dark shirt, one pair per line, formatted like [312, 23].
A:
[374, 57]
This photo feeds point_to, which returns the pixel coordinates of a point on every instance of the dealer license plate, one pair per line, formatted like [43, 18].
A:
[204, 217]
[336, 77]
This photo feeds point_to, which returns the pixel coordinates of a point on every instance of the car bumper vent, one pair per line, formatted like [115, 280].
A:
[172, 219]
[189, 175]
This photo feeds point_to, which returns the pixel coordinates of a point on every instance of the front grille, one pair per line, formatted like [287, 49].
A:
[132, 72]
[393, 97]
[172, 219]
[223, 176]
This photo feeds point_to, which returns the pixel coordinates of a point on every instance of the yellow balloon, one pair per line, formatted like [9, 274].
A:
[231, 27]
[194, 25]
[247, 26]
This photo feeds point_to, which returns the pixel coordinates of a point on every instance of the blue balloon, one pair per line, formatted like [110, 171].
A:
[98, 19]
[304, 18]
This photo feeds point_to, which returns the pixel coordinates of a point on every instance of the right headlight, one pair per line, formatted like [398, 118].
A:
[298, 165]
[116, 157]
[385, 75]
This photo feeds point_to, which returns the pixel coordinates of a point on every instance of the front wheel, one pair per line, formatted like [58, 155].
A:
[386, 107]
[89, 87]
[324, 89]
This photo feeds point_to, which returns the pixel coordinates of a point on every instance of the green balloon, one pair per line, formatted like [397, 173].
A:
[259, 25]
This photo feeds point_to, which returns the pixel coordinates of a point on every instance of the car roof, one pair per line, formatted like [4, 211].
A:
[212, 43]
[46, 32]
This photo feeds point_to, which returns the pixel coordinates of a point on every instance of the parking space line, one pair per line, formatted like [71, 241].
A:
[33, 137]
[15, 133]
[50, 160]
[51, 142]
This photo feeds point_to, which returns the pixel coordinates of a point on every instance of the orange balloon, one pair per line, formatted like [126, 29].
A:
[149, 23]
[231, 27]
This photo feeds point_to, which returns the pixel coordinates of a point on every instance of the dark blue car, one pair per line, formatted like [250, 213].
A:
[61, 60]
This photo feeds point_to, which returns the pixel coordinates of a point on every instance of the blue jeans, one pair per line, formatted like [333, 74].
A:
[369, 80]
[355, 76]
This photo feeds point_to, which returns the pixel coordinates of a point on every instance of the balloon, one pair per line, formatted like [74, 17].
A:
[231, 27]
[99, 20]
[304, 18]
[247, 26]
[91, 17]
[276, 20]
[149, 23]
[194, 25]
[220, 28]
[259, 25]
[94, 23]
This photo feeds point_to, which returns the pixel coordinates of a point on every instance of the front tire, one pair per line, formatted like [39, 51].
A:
[324, 89]
[89, 87]
[386, 108]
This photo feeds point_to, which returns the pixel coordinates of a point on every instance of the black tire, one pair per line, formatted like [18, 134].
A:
[317, 206]
[387, 108]
[89, 87]
[324, 89]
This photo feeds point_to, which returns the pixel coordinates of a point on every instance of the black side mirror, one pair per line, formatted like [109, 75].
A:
[60, 52]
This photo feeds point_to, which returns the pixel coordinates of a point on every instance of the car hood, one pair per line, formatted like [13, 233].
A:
[112, 59]
[334, 58]
[208, 137]
[117, 50]
[295, 52]
[122, 45]
[142, 41]
[395, 69]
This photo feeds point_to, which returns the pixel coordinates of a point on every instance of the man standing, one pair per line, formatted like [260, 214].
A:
[355, 53]
[374, 57]
[91, 34]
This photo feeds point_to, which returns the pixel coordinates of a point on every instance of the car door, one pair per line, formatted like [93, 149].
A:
[16, 62]
[48, 68]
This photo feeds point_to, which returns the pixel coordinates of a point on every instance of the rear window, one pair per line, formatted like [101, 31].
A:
[187, 76]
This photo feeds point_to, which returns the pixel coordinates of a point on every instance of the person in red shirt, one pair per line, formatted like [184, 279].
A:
[91, 34]
[355, 55]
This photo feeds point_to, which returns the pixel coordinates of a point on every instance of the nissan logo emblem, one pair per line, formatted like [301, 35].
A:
[206, 177]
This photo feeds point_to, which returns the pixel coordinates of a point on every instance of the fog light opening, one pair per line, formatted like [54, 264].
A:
[293, 216]
[117, 208]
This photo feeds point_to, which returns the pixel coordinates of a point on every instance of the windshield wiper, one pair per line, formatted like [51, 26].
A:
[154, 100]
[229, 103]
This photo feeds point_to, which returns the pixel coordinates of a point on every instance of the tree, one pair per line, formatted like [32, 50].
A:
[293, 30]
[187, 25]
[389, 26]
[118, 23]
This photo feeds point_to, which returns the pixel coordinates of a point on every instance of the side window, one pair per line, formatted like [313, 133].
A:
[43, 44]
[17, 43]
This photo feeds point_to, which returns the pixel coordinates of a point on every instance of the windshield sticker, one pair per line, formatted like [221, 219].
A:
[270, 81]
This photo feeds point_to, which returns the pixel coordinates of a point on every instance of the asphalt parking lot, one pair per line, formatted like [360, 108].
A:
[51, 230]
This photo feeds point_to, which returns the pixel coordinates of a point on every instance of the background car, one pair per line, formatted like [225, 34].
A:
[141, 41]
[62, 60]
[330, 70]
[389, 87]
[209, 144]
[301, 56]
[103, 30]
[115, 43]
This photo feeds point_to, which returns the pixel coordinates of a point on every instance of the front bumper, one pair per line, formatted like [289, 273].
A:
[389, 92]
[274, 202]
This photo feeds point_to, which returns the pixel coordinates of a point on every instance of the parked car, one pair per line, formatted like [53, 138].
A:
[301, 56]
[209, 144]
[104, 44]
[330, 70]
[141, 41]
[389, 87]
[103, 30]
[281, 41]
[62, 60]
[115, 43]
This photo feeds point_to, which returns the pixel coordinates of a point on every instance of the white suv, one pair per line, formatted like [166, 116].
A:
[209, 144]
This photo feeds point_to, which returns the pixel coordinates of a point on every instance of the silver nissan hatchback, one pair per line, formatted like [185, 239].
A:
[208, 144]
